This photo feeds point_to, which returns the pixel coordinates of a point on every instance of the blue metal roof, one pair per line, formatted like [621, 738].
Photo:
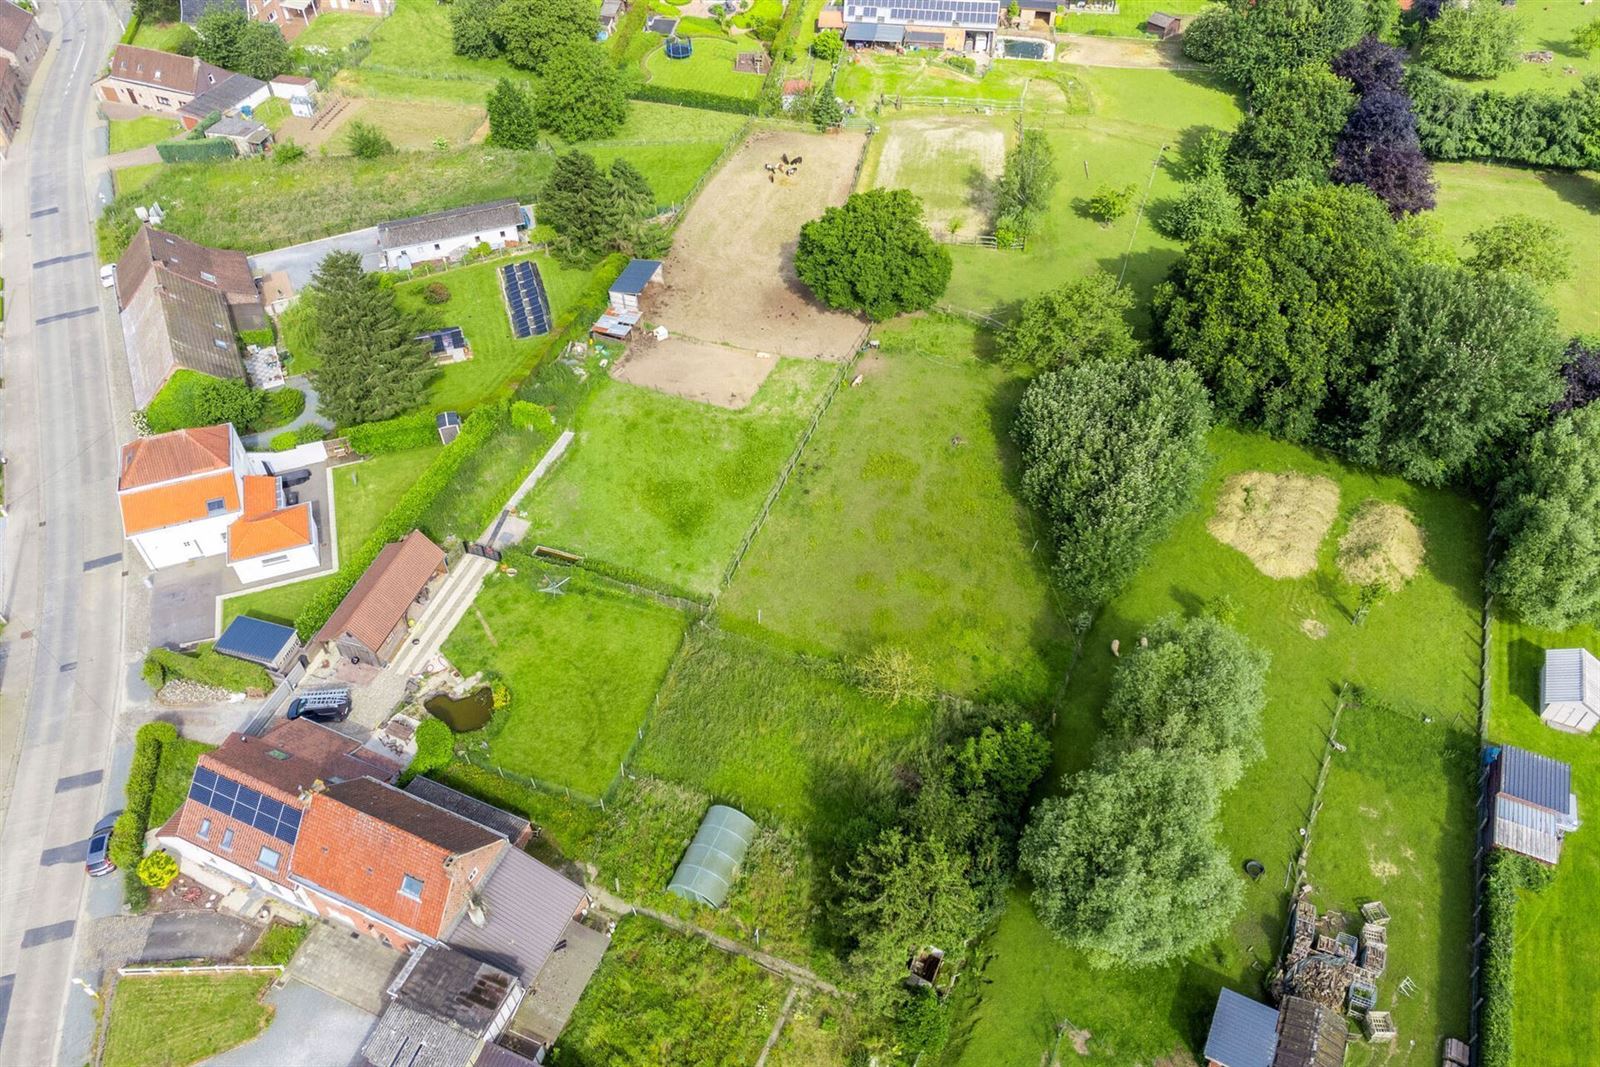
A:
[1244, 1032]
[1535, 779]
[255, 640]
[635, 276]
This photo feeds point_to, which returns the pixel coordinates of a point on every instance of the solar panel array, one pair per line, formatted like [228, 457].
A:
[226, 797]
[447, 338]
[963, 12]
[526, 299]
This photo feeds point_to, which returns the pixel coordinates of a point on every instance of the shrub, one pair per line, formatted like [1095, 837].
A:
[415, 430]
[158, 869]
[1109, 203]
[435, 748]
[700, 98]
[127, 836]
[208, 668]
[278, 944]
[894, 675]
[827, 46]
[923, 1023]
[1508, 873]
[526, 415]
[282, 442]
[288, 152]
[310, 432]
[436, 293]
[366, 141]
[501, 695]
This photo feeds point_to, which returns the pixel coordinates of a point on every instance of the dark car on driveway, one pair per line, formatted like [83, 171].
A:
[321, 705]
[98, 861]
[298, 476]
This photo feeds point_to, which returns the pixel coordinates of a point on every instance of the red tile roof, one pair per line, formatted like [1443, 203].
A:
[378, 601]
[264, 527]
[14, 25]
[178, 454]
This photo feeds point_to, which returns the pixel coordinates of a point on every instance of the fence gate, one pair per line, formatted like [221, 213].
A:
[475, 549]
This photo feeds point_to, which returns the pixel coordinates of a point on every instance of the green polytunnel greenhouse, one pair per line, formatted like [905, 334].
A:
[708, 868]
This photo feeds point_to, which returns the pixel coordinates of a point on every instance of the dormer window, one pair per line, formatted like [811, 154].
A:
[207, 276]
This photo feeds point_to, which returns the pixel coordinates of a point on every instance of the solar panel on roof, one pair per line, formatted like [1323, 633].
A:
[230, 799]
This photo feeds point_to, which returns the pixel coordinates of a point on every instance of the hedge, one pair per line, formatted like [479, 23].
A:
[1537, 128]
[132, 31]
[205, 666]
[415, 430]
[783, 52]
[700, 98]
[478, 428]
[627, 30]
[127, 837]
[212, 148]
[1508, 873]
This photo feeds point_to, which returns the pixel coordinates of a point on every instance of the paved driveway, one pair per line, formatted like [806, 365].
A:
[300, 261]
[189, 935]
[311, 1029]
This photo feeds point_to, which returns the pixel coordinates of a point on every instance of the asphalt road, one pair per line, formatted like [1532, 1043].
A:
[61, 662]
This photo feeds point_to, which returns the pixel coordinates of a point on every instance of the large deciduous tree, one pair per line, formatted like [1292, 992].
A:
[229, 38]
[1379, 149]
[1251, 40]
[471, 28]
[530, 32]
[1289, 134]
[581, 96]
[1547, 522]
[1370, 64]
[372, 368]
[1029, 178]
[511, 120]
[1477, 40]
[1112, 453]
[1083, 319]
[873, 254]
[1580, 376]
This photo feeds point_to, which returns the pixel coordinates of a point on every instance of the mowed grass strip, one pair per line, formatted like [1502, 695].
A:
[901, 526]
[1419, 648]
[173, 772]
[1557, 983]
[176, 1020]
[364, 492]
[773, 734]
[582, 665]
[667, 487]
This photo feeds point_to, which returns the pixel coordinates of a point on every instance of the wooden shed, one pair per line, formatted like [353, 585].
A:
[1569, 690]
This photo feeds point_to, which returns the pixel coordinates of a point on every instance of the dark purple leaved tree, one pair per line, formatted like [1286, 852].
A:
[1379, 149]
[1370, 64]
[1581, 372]
[1426, 10]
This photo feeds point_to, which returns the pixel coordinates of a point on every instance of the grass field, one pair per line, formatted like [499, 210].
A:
[173, 772]
[570, 723]
[1548, 26]
[668, 487]
[1557, 984]
[413, 125]
[1418, 650]
[131, 179]
[914, 539]
[364, 492]
[411, 58]
[1129, 19]
[128, 134]
[662, 998]
[1473, 195]
[499, 359]
[709, 69]
[176, 1020]
[867, 77]
[164, 37]
[335, 29]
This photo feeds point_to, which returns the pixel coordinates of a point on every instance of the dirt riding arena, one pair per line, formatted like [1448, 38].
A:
[696, 370]
[730, 278]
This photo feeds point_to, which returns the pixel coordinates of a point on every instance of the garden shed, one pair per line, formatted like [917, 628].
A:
[1531, 797]
[258, 641]
[708, 868]
[1244, 1032]
[1569, 690]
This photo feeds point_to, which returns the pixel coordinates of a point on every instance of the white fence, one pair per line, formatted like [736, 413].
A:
[216, 968]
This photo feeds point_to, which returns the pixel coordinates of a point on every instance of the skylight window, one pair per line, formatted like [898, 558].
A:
[216, 505]
[411, 887]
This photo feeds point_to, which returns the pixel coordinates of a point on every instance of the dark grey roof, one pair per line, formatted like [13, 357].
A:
[556, 991]
[453, 987]
[487, 815]
[635, 276]
[457, 222]
[1160, 20]
[1310, 1035]
[1244, 1032]
[497, 1055]
[1038, 5]
[1535, 779]
[224, 96]
[526, 906]
[663, 25]
[874, 33]
[255, 640]
[928, 37]
[190, 10]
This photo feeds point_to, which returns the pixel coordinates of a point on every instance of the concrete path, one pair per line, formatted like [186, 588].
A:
[134, 157]
[309, 1029]
[260, 442]
[345, 965]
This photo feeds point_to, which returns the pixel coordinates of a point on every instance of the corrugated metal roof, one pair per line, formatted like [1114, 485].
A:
[526, 907]
[874, 33]
[1528, 830]
[1570, 675]
[708, 868]
[1536, 779]
[255, 640]
[409, 1038]
[1244, 1032]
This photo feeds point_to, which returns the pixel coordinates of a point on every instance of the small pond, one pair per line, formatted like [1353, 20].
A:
[1015, 49]
[463, 714]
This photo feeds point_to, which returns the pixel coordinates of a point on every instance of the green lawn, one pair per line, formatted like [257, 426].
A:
[570, 722]
[1548, 26]
[128, 134]
[411, 58]
[1557, 983]
[775, 735]
[272, 113]
[1129, 19]
[662, 998]
[131, 179]
[335, 29]
[176, 1020]
[1473, 195]
[668, 487]
[164, 37]
[709, 69]
[1418, 650]
[1050, 88]
[364, 492]
[915, 539]
[279, 604]
[173, 772]
[499, 360]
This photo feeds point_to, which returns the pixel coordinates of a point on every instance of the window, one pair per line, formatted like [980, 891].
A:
[411, 887]
[207, 276]
[473, 877]
[273, 561]
[269, 858]
[227, 840]
[163, 101]
[436, 248]
[215, 506]
[277, 753]
[204, 833]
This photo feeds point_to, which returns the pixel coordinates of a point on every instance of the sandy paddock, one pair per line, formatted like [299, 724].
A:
[695, 370]
[949, 162]
[730, 278]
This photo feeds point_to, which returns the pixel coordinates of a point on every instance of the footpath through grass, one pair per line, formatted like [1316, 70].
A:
[1397, 818]
[901, 526]
[1557, 983]
[176, 1020]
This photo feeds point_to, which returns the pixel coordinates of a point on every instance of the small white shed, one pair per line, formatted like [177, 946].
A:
[1569, 690]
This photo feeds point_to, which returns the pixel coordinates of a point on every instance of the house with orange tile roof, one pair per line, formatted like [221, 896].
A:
[194, 493]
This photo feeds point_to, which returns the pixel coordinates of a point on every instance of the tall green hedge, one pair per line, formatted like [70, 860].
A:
[127, 838]
[1508, 873]
[700, 98]
[415, 430]
[212, 148]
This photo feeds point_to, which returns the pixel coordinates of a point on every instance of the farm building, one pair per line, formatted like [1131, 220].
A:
[959, 25]
[630, 286]
[1300, 1033]
[1532, 802]
[448, 235]
[1037, 14]
[371, 622]
[1164, 25]
[1569, 690]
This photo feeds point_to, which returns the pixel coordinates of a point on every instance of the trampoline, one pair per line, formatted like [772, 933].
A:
[679, 48]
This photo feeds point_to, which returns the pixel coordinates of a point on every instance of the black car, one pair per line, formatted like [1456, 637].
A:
[298, 476]
[98, 861]
[321, 705]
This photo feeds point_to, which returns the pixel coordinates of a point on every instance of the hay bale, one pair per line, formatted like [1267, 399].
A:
[1382, 547]
[1277, 520]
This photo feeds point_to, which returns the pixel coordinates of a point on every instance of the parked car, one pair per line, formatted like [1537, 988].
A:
[321, 705]
[98, 861]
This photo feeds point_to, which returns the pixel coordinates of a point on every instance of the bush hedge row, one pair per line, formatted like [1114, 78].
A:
[1508, 873]
[205, 666]
[630, 26]
[212, 148]
[127, 838]
[476, 431]
[700, 98]
[415, 430]
[1534, 127]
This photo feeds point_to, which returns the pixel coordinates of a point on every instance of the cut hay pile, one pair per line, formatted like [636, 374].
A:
[1277, 520]
[1383, 546]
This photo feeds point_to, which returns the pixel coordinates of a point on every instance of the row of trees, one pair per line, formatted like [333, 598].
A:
[1126, 863]
[582, 96]
[1538, 128]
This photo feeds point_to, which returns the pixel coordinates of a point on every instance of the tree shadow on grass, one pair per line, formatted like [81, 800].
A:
[1579, 190]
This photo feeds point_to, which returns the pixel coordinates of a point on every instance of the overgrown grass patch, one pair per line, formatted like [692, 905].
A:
[901, 526]
[582, 664]
[128, 134]
[334, 30]
[661, 997]
[1418, 649]
[1556, 982]
[178, 1019]
[206, 666]
[668, 487]
[173, 773]
[1128, 20]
